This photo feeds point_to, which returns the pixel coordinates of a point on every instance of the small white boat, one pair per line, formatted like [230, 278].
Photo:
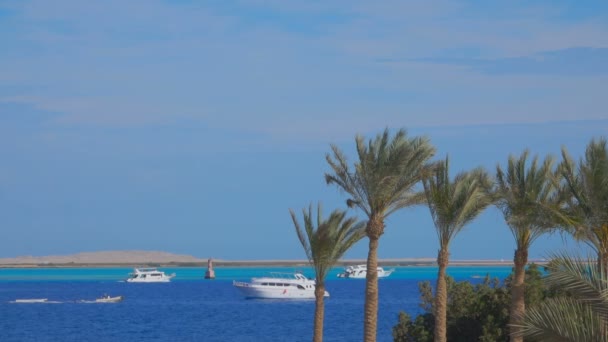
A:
[108, 299]
[32, 300]
[279, 286]
[360, 271]
[149, 275]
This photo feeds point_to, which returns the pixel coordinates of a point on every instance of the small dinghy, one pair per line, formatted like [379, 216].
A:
[108, 299]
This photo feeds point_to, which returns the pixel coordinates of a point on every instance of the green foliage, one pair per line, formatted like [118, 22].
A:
[418, 331]
[475, 312]
[536, 290]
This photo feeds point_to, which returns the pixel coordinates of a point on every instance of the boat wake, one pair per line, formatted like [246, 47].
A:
[106, 299]
[34, 301]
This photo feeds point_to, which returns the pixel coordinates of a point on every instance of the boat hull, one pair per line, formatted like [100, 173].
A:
[136, 280]
[265, 292]
[109, 300]
[363, 276]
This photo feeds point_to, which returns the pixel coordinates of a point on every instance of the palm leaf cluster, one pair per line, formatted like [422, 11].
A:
[326, 240]
[585, 192]
[580, 316]
[453, 204]
[383, 179]
[524, 195]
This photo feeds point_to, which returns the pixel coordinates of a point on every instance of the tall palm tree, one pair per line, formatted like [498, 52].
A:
[585, 188]
[453, 205]
[381, 182]
[526, 196]
[325, 243]
[581, 316]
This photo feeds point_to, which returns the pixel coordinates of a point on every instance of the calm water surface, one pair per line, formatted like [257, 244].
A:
[193, 309]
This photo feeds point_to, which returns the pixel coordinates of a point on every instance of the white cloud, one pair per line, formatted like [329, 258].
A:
[151, 62]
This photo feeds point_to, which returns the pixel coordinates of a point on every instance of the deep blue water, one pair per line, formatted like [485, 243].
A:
[193, 309]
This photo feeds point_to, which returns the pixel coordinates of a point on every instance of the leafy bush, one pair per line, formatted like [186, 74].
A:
[477, 312]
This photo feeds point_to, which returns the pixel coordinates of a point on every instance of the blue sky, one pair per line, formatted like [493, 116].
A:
[193, 126]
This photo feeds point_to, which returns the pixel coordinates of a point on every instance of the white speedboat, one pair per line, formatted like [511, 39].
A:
[149, 275]
[108, 299]
[360, 271]
[279, 286]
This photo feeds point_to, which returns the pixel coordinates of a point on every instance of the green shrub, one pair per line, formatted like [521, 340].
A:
[475, 312]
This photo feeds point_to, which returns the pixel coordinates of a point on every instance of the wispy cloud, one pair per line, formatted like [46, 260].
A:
[258, 65]
[574, 62]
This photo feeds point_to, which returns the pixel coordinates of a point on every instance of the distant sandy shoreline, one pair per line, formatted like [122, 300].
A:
[267, 263]
[164, 259]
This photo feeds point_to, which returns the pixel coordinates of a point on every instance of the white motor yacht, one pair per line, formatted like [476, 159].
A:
[360, 271]
[149, 275]
[279, 286]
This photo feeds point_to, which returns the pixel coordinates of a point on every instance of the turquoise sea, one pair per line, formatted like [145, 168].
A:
[191, 308]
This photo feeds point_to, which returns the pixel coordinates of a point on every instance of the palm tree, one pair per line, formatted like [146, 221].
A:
[381, 182]
[324, 245]
[581, 316]
[526, 196]
[453, 205]
[586, 191]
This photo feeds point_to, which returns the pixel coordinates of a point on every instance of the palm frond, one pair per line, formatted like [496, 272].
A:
[302, 233]
[562, 319]
[579, 316]
[346, 180]
[587, 283]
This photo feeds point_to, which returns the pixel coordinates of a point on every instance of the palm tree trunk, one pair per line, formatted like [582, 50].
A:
[601, 234]
[371, 292]
[602, 262]
[441, 297]
[319, 312]
[518, 304]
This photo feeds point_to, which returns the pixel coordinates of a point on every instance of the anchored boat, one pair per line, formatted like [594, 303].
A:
[108, 299]
[279, 286]
[149, 275]
[360, 271]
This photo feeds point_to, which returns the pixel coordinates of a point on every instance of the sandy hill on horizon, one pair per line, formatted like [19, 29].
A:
[104, 257]
[138, 257]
